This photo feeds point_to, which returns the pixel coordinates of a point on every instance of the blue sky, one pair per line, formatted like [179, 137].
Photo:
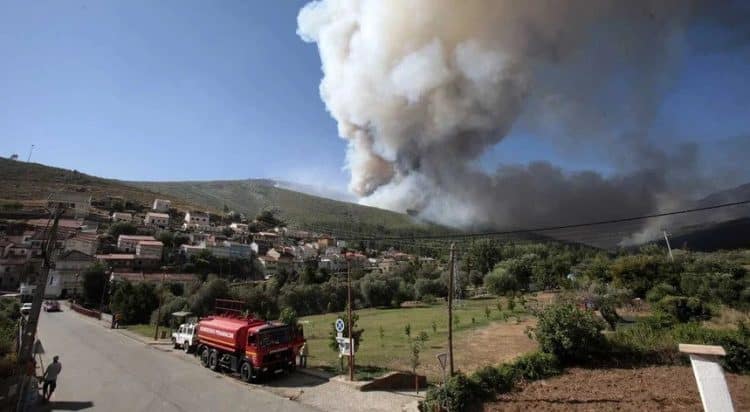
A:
[196, 90]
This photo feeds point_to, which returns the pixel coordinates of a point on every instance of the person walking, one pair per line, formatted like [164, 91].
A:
[303, 356]
[50, 378]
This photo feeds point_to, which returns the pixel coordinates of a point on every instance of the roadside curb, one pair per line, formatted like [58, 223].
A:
[142, 339]
[315, 373]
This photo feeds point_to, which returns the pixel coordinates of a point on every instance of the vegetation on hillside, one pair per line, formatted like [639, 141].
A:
[298, 210]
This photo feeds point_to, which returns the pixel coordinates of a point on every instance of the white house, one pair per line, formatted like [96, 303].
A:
[191, 250]
[62, 279]
[239, 227]
[149, 248]
[122, 217]
[160, 220]
[79, 203]
[231, 250]
[161, 205]
[196, 220]
[127, 243]
[87, 243]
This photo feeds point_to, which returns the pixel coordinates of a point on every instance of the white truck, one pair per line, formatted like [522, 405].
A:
[185, 337]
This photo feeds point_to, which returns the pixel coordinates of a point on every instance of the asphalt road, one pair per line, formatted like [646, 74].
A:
[107, 371]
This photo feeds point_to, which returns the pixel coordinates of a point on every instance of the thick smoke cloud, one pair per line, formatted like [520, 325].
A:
[421, 89]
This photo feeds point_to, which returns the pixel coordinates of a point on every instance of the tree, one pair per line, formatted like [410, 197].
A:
[379, 290]
[568, 332]
[476, 278]
[269, 220]
[135, 303]
[416, 346]
[288, 316]
[204, 300]
[483, 255]
[94, 282]
[500, 281]
[122, 228]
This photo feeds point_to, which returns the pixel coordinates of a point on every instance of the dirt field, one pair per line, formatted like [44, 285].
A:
[491, 345]
[665, 388]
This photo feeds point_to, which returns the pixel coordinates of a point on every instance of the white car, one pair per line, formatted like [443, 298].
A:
[184, 337]
[26, 308]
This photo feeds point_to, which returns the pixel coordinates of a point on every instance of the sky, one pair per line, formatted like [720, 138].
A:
[196, 90]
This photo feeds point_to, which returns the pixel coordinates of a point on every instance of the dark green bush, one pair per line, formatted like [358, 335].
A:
[683, 309]
[458, 394]
[659, 291]
[491, 380]
[537, 365]
[568, 332]
[501, 281]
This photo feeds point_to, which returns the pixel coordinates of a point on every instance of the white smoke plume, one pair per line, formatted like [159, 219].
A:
[421, 89]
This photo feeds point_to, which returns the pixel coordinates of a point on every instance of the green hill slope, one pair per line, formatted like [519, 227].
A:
[33, 182]
[21, 181]
[298, 209]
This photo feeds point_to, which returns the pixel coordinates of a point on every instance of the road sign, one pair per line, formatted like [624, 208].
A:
[340, 325]
[709, 376]
[443, 359]
[38, 348]
[344, 345]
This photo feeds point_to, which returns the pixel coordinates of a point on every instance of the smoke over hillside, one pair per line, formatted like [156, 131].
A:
[421, 89]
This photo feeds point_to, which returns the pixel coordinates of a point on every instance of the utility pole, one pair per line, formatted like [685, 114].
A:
[450, 310]
[28, 338]
[31, 149]
[349, 314]
[158, 312]
[666, 238]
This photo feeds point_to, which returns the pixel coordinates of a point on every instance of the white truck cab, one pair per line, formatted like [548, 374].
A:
[185, 337]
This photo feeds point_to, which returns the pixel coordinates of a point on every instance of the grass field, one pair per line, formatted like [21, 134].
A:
[484, 340]
[146, 330]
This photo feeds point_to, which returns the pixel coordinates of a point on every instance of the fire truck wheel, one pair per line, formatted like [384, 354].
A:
[246, 372]
[204, 356]
[213, 360]
[186, 347]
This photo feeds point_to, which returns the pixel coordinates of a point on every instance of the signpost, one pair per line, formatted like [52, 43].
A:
[443, 359]
[709, 376]
[340, 326]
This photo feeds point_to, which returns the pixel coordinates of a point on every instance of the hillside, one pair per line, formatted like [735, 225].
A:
[298, 209]
[32, 182]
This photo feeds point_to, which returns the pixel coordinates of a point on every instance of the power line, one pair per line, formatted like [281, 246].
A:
[551, 228]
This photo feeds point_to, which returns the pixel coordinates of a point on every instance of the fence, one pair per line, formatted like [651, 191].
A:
[86, 312]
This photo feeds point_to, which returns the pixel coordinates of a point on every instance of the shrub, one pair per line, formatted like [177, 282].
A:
[737, 347]
[683, 309]
[288, 316]
[458, 394]
[659, 291]
[500, 281]
[174, 304]
[537, 365]
[378, 289]
[434, 287]
[568, 332]
[429, 299]
[491, 380]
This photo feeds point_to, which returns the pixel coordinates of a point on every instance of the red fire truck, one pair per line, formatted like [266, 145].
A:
[250, 346]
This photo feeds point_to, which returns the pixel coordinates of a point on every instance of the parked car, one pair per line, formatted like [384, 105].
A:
[51, 306]
[26, 308]
[184, 337]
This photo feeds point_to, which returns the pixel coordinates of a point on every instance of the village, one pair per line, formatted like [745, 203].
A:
[91, 232]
